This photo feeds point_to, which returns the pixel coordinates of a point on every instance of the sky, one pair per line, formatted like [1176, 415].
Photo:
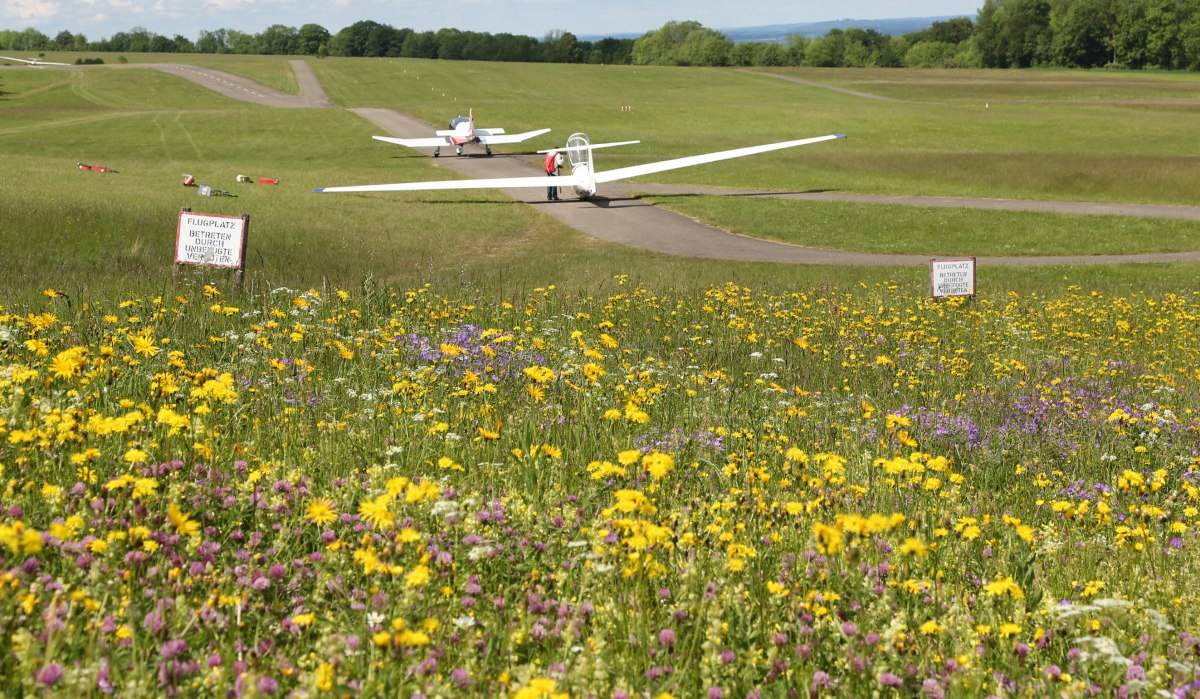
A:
[99, 19]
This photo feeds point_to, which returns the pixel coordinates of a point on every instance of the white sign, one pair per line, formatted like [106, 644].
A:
[210, 239]
[952, 277]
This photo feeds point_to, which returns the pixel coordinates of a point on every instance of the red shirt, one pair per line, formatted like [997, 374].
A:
[550, 165]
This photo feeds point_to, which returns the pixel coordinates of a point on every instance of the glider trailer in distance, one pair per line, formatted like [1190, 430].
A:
[462, 131]
[583, 177]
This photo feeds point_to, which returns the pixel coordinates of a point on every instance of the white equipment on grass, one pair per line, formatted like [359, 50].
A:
[584, 177]
[462, 131]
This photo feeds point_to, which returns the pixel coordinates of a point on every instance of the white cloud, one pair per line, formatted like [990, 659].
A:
[227, 4]
[34, 10]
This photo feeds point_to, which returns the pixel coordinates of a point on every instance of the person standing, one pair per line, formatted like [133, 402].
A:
[553, 163]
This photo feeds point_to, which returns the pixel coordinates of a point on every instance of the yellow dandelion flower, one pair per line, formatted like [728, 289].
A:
[593, 372]
[68, 363]
[629, 457]
[914, 547]
[829, 539]
[538, 688]
[540, 374]
[144, 345]
[658, 465]
[320, 511]
[1004, 586]
[376, 513]
[795, 454]
[417, 577]
[143, 487]
[181, 521]
[324, 678]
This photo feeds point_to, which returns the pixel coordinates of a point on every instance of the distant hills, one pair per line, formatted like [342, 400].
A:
[778, 33]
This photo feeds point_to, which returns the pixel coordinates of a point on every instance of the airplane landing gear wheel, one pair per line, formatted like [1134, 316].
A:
[458, 151]
[437, 152]
[489, 150]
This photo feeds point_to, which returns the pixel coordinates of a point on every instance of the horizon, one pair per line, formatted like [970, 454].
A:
[101, 19]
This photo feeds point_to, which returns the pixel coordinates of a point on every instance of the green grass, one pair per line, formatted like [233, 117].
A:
[104, 231]
[934, 230]
[406, 364]
[1034, 146]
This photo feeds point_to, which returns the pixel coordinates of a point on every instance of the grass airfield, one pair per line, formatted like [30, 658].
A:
[442, 445]
[1095, 137]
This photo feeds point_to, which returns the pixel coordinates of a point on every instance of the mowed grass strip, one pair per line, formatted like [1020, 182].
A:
[934, 230]
[112, 230]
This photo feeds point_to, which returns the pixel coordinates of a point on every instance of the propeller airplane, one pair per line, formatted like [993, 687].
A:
[33, 63]
[584, 177]
[462, 131]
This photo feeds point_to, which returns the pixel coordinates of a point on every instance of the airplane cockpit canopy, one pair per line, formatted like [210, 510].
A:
[577, 149]
[458, 120]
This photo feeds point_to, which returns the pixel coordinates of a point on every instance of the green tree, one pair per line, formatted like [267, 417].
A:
[655, 47]
[27, 40]
[278, 40]
[215, 41]
[420, 45]
[241, 43]
[1084, 32]
[1014, 33]
[310, 38]
[797, 47]
[828, 51]
[929, 54]
[560, 46]
[952, 31]
[450, 44]
[702, 47]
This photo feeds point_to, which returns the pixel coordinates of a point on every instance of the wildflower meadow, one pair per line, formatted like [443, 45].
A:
[854, 491]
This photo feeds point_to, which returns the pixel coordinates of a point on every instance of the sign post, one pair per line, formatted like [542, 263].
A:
[952, 277]
[213, 240]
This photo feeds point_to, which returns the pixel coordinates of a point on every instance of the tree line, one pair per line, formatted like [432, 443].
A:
[1138, 34]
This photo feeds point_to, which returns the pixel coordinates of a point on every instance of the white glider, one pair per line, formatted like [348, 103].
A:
[461, 132]
[584, 177]
[34, 62]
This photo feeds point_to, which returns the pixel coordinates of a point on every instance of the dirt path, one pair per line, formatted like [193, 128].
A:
[620, 217]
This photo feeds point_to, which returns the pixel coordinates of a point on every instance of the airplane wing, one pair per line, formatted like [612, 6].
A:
[432, 142]
[34, 62]
[490, 137]
[650, 168]
[495, 183]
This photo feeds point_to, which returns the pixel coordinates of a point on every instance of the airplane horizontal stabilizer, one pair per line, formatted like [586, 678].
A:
[492, 138]
[591, 146]
[650, 168]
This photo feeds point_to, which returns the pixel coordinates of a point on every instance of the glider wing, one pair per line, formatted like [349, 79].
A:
[650, 168]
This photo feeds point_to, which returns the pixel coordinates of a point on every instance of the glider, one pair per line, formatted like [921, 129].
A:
[34, 62]
[584, 177]
[461, 132]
